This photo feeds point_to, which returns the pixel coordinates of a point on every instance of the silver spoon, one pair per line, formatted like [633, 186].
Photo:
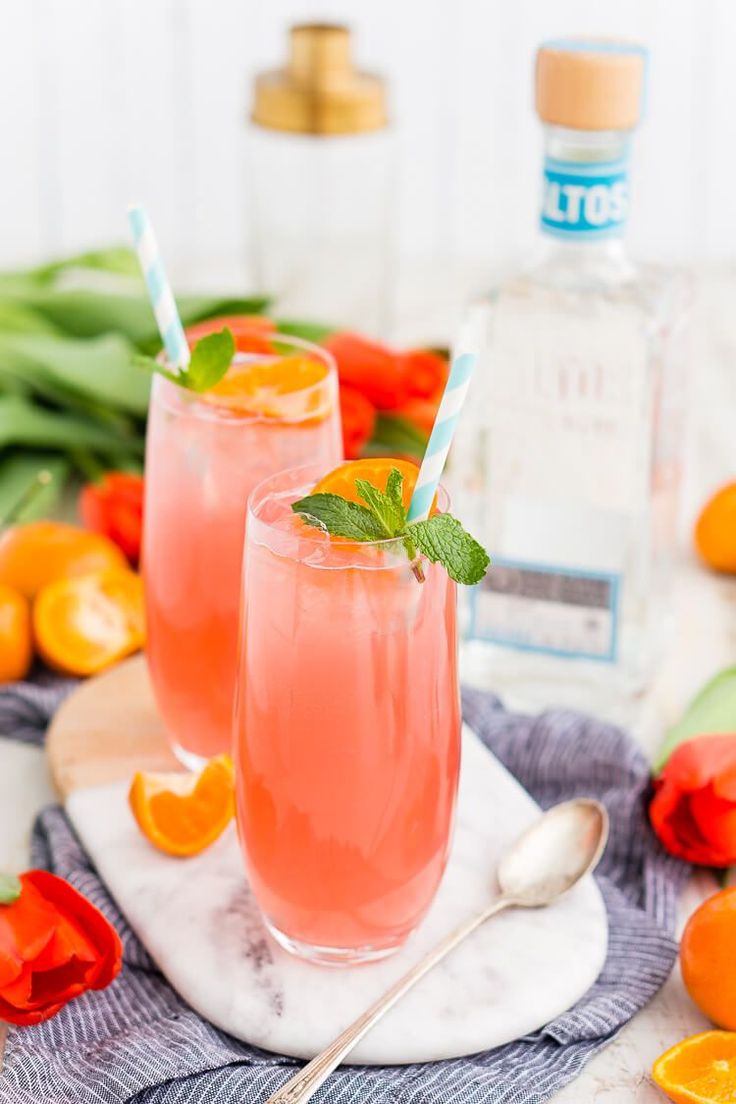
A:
[563, 845]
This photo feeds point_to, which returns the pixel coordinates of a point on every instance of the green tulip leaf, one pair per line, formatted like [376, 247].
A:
[711, 712]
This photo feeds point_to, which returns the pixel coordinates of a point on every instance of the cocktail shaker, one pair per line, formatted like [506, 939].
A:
[320, 166]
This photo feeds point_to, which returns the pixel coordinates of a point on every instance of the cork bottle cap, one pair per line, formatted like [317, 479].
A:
[319, 91]
[590, 84]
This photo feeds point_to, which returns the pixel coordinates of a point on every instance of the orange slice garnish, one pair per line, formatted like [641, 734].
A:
[699, 1070]
[376, 470]
[286, 388]
[182, 814]
[83, 625]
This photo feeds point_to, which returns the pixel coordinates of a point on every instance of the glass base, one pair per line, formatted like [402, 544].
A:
[331, 956]
[187, 758]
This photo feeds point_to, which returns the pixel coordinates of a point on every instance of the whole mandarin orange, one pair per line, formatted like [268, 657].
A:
[708, 958]
[41, 552]
[715, 530]
[16, 638]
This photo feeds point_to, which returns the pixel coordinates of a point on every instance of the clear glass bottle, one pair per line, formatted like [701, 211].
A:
[321, 176]
[567, 461]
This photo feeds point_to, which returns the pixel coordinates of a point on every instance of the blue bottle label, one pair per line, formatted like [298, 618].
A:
[585, 201]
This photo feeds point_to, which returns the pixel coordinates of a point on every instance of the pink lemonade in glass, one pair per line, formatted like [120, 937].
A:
[204, 455]
[347, 732]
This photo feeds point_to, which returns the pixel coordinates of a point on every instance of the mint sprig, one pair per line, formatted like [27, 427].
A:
[211, 357]
[441, 538]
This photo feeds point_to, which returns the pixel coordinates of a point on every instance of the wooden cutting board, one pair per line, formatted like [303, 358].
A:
[200, 923]
[107, 729]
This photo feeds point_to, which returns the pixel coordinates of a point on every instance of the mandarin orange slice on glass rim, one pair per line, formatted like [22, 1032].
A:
[84, 624]
[375, 470]
[699, 1070]
[183, 813]
[285, 388]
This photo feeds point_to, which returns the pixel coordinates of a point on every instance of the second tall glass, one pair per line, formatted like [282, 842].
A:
[347, 732]
[204, 455]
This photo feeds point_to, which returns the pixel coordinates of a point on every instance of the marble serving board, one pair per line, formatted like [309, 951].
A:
[199, 921]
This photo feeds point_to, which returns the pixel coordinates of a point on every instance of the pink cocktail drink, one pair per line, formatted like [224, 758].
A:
[204, 455]
[347, 732]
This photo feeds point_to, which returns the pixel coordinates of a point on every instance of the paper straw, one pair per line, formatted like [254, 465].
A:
[464, 359]
[159, 289]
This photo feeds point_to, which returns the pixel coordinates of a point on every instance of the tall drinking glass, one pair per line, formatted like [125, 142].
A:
[204, 455]
[347, 732]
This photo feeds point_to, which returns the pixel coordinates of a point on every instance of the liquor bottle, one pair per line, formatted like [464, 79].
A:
[321, 174]
[566, 463]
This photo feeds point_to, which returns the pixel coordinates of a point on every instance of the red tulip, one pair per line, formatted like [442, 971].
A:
[358, 420]
[694, 807]
[250, 331]
[371, 368]
[114, 507]
[426, 373]
[54, 945]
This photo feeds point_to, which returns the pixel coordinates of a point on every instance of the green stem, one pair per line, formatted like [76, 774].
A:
[87, 463]
[41, 480]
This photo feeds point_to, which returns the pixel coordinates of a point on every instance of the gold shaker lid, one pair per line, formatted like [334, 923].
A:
[593, 84]
[319, 91]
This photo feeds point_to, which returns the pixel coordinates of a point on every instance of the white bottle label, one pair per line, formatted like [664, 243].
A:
[545, 609]
[567, 462]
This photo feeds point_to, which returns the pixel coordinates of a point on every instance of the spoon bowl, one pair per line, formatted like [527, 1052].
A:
[554, 853]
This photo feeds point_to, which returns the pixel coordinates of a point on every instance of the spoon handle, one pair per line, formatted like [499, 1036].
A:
[305, 1083]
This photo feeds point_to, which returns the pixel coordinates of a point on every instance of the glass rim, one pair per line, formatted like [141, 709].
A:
[304, 471]
[220, 413]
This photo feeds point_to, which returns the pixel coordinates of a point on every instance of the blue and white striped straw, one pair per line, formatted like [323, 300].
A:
[464, 359]
[159, 289]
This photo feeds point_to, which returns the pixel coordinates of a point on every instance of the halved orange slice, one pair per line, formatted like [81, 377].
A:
[85, 624]
[182, 814]
[285, 388]
[699, 1070]
[376, 470]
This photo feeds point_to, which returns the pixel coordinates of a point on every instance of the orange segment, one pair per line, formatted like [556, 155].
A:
[699, 1070]
[341, 481]
[40, 552]
[83, 625]
[182, 814]
[16, 642]
[287, 388]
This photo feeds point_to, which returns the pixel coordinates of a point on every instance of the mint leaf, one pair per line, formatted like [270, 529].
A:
[10, 889]
[443, 540]
[339, 517]
[395, 490]
[210, 360]
[385, 508]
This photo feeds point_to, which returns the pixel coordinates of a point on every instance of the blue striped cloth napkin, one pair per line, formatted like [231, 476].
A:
[139, 1042]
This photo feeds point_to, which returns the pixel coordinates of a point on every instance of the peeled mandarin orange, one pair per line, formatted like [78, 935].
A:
[85, 624]
[708, 957]
[182, 814]
[715, 531]
[16, 638]
[41, 552]
[285, 388]
[376, 470]
[699, 1070]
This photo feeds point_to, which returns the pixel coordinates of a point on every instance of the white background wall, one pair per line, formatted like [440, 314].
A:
[103, 101]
